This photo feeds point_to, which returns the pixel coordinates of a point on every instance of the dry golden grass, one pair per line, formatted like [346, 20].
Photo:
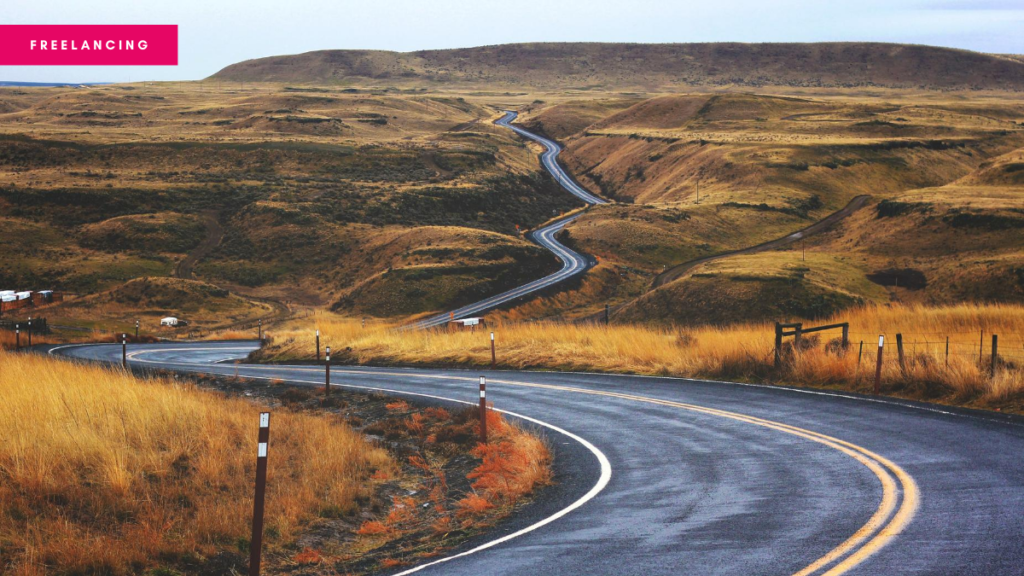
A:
[9, 340]
[739, 352]
[103, 473]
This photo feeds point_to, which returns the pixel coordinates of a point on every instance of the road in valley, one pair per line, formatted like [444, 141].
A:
[672, 476]
[573, 263]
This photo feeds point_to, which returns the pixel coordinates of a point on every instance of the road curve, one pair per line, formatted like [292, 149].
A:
[714, 478]
[573, 263]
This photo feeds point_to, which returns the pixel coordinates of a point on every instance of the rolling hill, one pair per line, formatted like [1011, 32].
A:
[649, 66]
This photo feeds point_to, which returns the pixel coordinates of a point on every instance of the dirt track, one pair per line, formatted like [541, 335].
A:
[214, 234]
[678, 270]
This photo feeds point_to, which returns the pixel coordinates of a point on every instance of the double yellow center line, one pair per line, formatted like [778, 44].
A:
[900, 495]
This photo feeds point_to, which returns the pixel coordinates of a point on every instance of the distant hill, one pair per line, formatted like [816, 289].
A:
[594, 65]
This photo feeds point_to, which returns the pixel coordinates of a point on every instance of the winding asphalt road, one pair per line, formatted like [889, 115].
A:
[573, 263]
[672, 476]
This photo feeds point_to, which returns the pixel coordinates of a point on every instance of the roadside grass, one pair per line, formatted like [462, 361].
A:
[105, 473]
[9, 340]
[512, 465]
[742, 352]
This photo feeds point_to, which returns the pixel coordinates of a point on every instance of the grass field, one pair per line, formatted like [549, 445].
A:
[741, 352]
[103, 473]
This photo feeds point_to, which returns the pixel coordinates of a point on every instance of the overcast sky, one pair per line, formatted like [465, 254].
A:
[215, 33]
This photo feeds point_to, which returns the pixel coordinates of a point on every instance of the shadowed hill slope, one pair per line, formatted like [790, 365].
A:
[830, 64]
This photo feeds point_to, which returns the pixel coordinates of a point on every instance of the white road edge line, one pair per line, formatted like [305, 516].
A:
[602, 482]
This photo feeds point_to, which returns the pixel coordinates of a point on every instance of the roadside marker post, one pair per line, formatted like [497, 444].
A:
[494, 357]
[17, 337]
[327, 373]
[256, 544]
[260, 331]
[136, 330]
[878, 367]
[483, 410]
[318, 346]
[30, 332]
[947, 351]
[124, 350]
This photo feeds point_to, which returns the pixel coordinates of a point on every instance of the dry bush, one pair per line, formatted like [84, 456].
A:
[101, 472]
[514, 463]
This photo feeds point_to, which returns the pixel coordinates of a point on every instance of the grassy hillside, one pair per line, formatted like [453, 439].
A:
[372, 198]
[378, 202]
[700, 175]
[651, 66]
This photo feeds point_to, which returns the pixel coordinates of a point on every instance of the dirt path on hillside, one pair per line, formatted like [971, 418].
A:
[214, 234]
[831, 220]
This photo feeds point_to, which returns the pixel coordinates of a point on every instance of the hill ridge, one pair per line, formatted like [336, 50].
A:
[651, 66]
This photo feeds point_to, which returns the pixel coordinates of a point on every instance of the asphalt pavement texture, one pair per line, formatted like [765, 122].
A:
[709, 477]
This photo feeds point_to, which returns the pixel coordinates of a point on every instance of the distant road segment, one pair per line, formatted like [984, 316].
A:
[573, 262]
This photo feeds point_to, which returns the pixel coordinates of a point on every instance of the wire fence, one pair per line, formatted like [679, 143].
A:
[1010, 347]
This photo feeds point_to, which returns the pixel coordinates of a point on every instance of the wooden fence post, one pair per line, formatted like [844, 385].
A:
[899, 350]
[778, 345]
[995, 354]
[846, 335]
[799, 332]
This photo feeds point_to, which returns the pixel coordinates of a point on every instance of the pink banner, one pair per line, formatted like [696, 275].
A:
[89, 45]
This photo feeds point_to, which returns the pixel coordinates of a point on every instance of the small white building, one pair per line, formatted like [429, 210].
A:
[169, 321]
[467, 323]
[24, 295]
